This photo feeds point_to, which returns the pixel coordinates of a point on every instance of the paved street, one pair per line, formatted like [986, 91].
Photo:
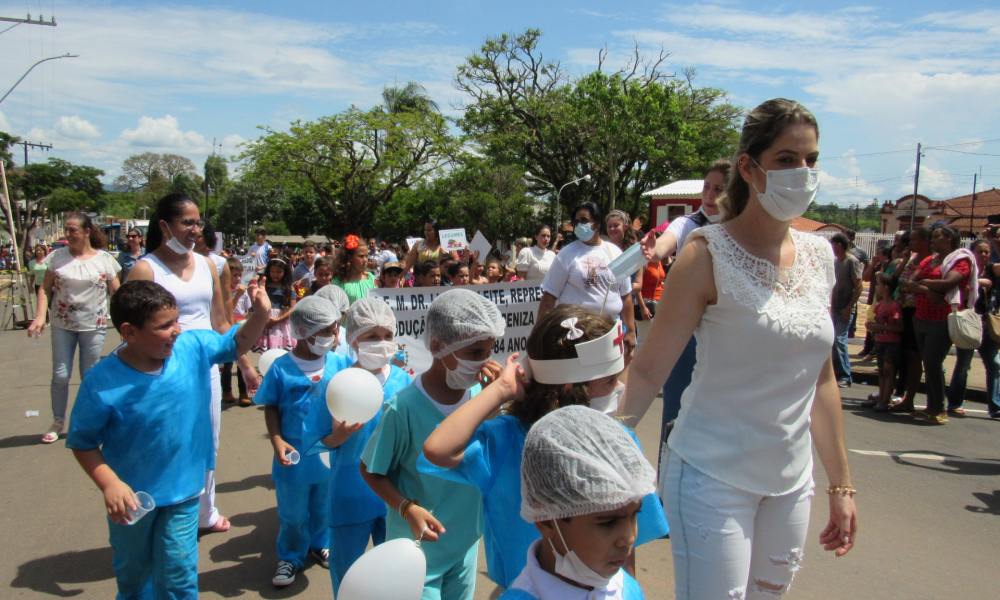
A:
[929, 501]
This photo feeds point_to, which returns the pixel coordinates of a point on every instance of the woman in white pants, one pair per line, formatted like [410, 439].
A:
[193, 279]
[736, 471]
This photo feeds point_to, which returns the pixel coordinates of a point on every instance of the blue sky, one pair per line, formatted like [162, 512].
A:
[171, 77]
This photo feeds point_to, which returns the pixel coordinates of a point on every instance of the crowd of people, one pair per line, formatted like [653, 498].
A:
[535, 455]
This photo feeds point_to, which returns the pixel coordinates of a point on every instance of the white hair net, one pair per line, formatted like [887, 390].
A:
[367, 314]
[460, 317]
[579, 461]
[311, 314]
[336, 295]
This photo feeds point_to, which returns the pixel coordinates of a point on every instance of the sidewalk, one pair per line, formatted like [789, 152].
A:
[866, 372]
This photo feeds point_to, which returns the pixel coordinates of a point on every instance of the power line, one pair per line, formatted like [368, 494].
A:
[963, 152]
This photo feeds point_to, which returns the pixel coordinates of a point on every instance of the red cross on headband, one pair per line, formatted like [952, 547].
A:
[598, 358]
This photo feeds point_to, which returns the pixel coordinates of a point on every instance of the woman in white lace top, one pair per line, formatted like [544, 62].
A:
[736, 471]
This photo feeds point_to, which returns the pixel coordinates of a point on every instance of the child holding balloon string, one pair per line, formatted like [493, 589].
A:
[356, 513]
[574, 357]
[461, 329]
[292, 385]
[584, 482]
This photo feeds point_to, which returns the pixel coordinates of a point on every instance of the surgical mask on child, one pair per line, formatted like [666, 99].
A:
[375, 355]
[608, 404]
[583, 232]
[788, 192]
[465, 375]
[321, 345]
[572, 567]
[174, 244]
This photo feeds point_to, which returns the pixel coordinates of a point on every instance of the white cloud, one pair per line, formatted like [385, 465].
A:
[165, 135]
[4, 123]
[76, 128]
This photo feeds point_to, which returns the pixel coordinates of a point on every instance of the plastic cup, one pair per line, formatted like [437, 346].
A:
[294, 457]
[144, 503]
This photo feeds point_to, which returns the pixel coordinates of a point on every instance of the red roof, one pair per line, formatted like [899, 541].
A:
[963, 215]
[804, 224]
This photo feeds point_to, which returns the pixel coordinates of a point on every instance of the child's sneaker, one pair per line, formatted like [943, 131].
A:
[322, 556]
[285, 575]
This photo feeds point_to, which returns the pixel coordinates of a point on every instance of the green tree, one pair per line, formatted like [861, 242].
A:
[354, 161]
[150, 176]
[631, 130]
[411, 96]
[188, 184]
[246, 203]
[216, 177]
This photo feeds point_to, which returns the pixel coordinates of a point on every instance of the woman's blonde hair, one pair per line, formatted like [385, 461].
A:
[761, 127]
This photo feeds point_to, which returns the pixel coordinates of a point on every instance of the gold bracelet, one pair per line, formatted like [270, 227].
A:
[843, 490]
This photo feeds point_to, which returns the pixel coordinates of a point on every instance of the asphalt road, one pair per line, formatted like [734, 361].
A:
[929, 506]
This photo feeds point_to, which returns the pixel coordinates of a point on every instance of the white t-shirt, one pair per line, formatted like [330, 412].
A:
[446, 409]
[543, 585]
[312, 369]
[536, 261]
[580, 275]
[80, 292]
[260, 253]
[682, 226]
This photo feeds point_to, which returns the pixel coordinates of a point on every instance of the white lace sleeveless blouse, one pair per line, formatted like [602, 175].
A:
[744, 419]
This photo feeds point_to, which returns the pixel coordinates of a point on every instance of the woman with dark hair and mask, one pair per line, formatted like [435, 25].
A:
[736, 473]
[174, 229]
[580, 275]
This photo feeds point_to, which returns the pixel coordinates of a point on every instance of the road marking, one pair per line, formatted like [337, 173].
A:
[933, 457]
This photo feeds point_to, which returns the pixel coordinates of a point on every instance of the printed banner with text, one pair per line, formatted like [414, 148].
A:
[517, 301]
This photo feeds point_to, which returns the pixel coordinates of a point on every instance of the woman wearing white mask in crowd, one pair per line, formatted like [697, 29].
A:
[193, 279]
[580, 275]
[736, 472]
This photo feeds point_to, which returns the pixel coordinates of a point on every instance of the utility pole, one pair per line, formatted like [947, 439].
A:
[41, 21]
[32, 145]
[916, 182]
[973, 217]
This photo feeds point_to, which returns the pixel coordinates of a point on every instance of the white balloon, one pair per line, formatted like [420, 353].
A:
[393, 570]
[354, 396]
[268, 358]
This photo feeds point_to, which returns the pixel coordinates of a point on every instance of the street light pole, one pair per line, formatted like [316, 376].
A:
[559, 191]
[32, 67]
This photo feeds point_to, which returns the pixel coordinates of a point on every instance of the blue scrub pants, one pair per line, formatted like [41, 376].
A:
[456, 581]
[679, 380]
[303, 512]
[158, 556]
[348, 543]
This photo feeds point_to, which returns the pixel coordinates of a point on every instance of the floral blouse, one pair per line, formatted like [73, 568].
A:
[81, 290]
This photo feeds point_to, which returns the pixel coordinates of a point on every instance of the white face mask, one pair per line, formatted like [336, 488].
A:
[572, 568]
[712, 218]
[788, 192]
[321, 345]
[608, 404]
[583, 232]
[465, 375]
[174, 244]
[375, 355]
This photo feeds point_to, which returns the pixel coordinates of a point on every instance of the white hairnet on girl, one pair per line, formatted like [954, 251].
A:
[579, 461]
[336, 295]
[460, 317]
[311, 314]
[367, 314]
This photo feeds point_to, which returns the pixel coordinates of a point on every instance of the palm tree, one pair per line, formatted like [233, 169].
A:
[411, 96]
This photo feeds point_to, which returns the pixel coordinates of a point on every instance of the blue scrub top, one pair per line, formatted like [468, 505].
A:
[492, 463]
[351, 500]
[407, 419]
[296, 396]
[155, 431]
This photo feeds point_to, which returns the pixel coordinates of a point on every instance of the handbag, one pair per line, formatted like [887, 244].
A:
[993, 326]
[965, 328]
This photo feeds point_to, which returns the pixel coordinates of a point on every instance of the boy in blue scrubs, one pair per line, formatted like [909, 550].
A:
[461, 327]
[575, 356]
[584, 481]
[142, 422]
[356, 513]
[295, 383]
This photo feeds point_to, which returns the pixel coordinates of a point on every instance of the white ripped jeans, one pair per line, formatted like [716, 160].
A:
[728, 543]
